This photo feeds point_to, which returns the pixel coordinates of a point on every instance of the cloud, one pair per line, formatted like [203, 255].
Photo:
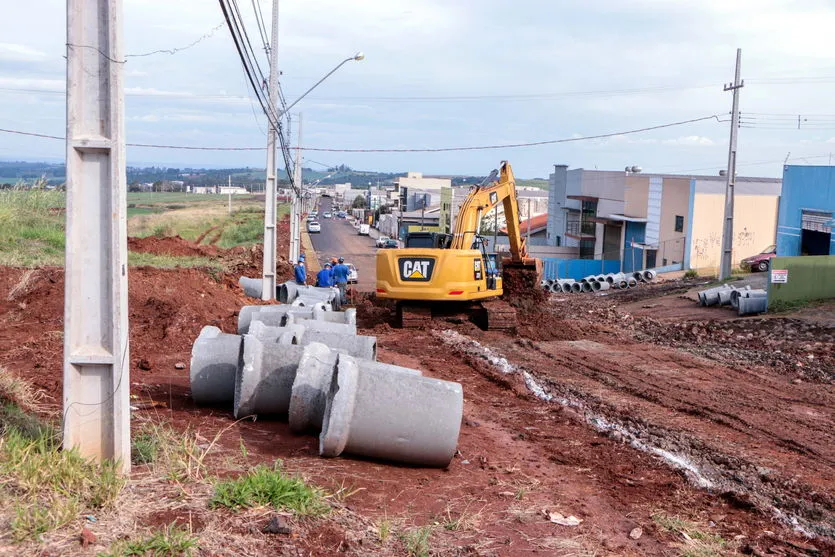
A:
[690, 140]
[20, 53]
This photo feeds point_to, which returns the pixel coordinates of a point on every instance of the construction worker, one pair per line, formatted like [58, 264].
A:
[340, 276]
[301, 272]
[324, 278]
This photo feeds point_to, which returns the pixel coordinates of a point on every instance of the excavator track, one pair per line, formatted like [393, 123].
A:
[500, 316]
[413, 316]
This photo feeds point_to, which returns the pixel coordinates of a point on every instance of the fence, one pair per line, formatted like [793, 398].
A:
[810, 277]
[578, 268]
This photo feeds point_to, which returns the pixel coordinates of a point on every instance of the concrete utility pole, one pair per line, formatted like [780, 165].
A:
[269, 284]
[728, 230]
[230, 194]
[96, 359]
[295, 207]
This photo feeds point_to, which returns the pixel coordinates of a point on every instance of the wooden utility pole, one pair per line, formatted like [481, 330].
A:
[96, 356]
[728, 230]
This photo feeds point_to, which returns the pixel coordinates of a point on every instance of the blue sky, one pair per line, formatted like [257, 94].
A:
[464, 73]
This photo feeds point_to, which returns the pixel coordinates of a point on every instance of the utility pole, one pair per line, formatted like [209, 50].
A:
[96, 358]
[230, 194]
[728, 231]
[295, 208]
[269, 280]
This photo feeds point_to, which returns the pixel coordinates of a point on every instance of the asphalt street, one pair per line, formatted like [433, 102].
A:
[339, 238]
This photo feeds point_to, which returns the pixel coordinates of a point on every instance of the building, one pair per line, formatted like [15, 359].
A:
[657, 220]
[232, 190]
[756, 202]
[807, 208]
[416, 181]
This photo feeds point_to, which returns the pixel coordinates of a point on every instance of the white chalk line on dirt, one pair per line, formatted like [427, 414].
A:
[597, 421]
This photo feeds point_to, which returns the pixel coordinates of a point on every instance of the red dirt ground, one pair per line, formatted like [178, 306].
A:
[760, 438]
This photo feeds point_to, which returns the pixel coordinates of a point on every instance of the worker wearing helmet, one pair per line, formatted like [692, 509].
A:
[340, 275]
[324, 278]
[301, 272]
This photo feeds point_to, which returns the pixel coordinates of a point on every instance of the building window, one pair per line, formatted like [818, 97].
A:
[679, 223]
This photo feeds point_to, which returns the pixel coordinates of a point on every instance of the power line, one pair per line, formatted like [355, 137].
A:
[416, 150]
[172, 51]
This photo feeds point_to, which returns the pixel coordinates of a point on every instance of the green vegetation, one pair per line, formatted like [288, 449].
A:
[173, 541]
[416, 541]
[269, 486]
[540, 183]
[32, 231]
[171, 261]
[691, 274]
[696, 542]
[49, 487]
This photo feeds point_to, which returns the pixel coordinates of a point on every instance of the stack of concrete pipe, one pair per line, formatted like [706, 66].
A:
[745, 300]
[292, 293]
[309, 365]
[598, 283]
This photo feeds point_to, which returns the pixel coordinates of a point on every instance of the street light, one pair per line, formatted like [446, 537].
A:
[357, 57]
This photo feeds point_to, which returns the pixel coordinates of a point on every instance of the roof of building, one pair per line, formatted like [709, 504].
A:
[537, 223]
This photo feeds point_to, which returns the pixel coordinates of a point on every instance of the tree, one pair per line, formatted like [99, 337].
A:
[359, 202]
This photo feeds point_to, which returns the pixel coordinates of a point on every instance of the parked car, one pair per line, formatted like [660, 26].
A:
[759, 262]
[327, 215]
[353, 275]
[314, 226]
[341, 214]
[311, 217]
[381, 241]
[391, 244]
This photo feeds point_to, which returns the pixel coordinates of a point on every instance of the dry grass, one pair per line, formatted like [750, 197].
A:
[694, 539]
[24, 285]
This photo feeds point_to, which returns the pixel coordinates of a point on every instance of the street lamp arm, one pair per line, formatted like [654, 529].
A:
[358, 56]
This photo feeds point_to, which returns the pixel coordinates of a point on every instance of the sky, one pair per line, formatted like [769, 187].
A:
[466, 73]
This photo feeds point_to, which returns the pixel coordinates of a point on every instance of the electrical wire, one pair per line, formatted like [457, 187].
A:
[416, 150]
[262, 29]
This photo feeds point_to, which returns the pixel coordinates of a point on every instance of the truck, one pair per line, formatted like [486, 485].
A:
[364, 229]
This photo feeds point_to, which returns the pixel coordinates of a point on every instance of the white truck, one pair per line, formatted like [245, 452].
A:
[364, 229]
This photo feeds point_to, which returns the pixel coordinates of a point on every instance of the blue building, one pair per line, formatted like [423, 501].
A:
[807, 205]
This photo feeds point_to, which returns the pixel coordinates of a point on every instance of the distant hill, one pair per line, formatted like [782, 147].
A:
[12, 173]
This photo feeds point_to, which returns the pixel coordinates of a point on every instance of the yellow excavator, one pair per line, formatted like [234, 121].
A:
[453, 273]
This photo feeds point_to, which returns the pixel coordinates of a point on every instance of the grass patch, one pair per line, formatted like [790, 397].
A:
[144, 448]
[691, 274]
[416, 541]
[779, 306]
[135, 211]
[49, 487]
[170, 542]
[696, 541]
[174, 454]
[161, 261]
[264, 486]
[32, 232]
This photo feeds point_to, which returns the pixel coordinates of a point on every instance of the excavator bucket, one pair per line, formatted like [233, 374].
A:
[521, 278]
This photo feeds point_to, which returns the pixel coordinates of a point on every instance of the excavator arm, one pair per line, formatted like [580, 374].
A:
[480, 202]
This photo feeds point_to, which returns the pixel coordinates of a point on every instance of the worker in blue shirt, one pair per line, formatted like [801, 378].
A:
[301, 272]
[324, 278]
[340, 277]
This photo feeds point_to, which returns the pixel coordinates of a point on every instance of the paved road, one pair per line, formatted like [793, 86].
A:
[339, 238]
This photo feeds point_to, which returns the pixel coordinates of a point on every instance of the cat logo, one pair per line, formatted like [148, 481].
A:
[416, 269]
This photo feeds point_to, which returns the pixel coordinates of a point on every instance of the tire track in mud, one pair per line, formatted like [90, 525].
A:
[713, 467]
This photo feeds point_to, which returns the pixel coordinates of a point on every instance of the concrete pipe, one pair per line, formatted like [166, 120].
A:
[265, 378]
[576, 287]
[586, 286]
[274, 315]
[394, 416]
[631, 282]
[649, 275]
[638, 275]
[556, 288]
[567, 288]
[306, 332]
[725, 296]
[710, 296]
[313, 380]
[252, 287]
[752, 302]
[287, 291]
[215, 359]
[614, 278]
[623, 284]
[322, 325]
[600, 278]
[598, 286]
[310, 302]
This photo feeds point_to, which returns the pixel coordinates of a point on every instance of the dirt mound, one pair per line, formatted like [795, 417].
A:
[167, 310]
[521, 287]
[170, 245]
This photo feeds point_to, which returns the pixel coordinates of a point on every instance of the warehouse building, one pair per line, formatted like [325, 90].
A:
[807, 208]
